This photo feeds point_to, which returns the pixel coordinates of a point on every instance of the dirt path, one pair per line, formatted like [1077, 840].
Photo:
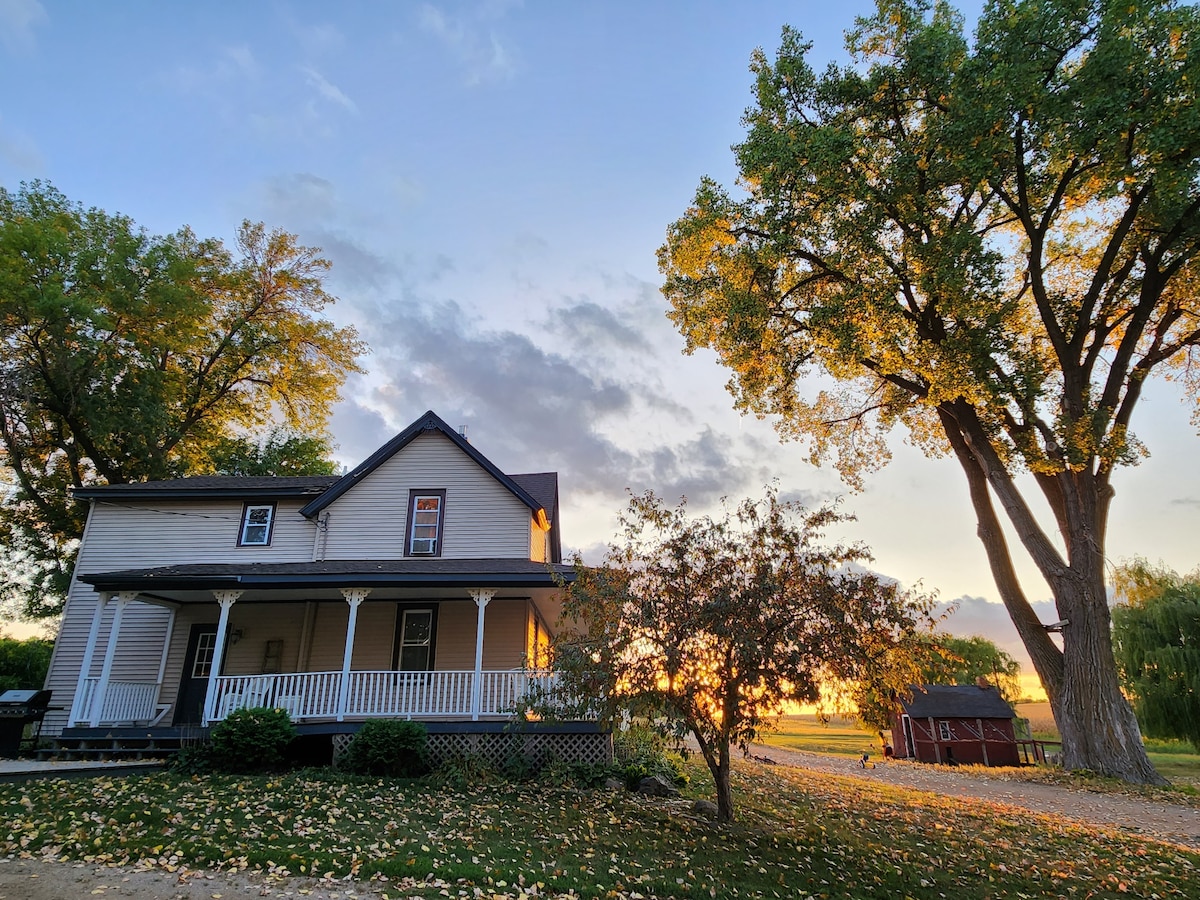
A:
[1162, 821]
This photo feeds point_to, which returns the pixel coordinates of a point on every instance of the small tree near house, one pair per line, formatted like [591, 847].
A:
[710, 625]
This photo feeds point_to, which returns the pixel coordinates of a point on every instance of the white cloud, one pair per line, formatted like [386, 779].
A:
[470, 38]
[18, 18]
[234, 64]
[327, 91]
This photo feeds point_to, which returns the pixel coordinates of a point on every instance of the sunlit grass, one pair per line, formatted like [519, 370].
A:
[839, 736]
[798, 834]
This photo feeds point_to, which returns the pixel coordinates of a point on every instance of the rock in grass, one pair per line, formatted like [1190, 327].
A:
[657, 786]
[705, 808]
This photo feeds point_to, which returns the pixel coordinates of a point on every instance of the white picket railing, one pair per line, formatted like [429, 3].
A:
[375, 694]
[124, 701]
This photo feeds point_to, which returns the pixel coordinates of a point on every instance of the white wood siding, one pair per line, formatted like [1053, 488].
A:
[537, 541]
[135, 535]
[482, 518]
[138, 534]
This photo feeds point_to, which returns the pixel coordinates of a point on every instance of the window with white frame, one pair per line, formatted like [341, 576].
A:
[944, 731]
[206, 649]
[425, 517]
[257, 522]
[415, 650]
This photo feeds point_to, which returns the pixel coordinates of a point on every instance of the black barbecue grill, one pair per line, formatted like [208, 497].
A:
[18, 709]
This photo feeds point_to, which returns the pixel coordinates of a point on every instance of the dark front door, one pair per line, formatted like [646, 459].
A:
[202, 644]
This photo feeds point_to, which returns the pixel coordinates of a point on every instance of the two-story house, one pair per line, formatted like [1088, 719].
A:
[423, 584]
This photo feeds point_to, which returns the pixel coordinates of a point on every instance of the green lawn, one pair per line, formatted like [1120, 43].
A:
[798, 834]
[840, 737]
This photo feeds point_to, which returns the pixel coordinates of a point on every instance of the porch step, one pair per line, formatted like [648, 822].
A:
[111, 748]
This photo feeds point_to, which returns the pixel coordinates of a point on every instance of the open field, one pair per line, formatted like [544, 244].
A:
[798, 833]
[1176, 760]
[840, 736]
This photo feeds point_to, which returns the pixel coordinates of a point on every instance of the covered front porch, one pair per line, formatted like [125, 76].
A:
[274, 637]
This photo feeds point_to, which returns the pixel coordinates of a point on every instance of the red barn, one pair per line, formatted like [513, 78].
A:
[954, 724]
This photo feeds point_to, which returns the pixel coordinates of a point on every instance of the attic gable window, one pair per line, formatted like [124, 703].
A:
[426, 511]
[257, 522]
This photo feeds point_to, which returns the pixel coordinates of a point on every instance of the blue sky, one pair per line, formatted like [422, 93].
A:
[491, 181]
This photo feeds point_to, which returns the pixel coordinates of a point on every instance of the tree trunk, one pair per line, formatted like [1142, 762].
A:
[1098, 728]
[724, 785]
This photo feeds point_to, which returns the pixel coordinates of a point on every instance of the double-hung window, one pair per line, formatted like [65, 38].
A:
[257, 521]
[426, 512]
[414, 651]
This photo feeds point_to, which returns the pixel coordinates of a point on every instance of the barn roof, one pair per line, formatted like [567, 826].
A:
[956, 701]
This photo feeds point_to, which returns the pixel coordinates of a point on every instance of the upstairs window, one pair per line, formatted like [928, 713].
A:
[425, 514]
[944, 731]
[257, 521]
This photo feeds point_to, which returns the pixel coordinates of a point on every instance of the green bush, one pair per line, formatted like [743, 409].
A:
[464, 771]
[251, 740]
[194, 759]
[641, 751]
[387, 747]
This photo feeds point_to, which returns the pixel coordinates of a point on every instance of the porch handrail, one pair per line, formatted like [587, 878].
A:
[124, 701]
[444, 693]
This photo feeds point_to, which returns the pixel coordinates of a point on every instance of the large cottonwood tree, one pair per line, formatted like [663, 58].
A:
[991, 243]
[126, 356]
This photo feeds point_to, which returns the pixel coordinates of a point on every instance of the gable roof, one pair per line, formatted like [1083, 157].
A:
[956, 701]
[428, 423]
[211, 486]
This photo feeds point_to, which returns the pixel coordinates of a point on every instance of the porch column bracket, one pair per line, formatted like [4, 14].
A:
[80, 712]
[481, 596]
[226, 599]
[355, 597]
[110, 652]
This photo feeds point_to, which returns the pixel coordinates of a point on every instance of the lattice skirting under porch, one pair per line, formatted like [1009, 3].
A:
[498, 748]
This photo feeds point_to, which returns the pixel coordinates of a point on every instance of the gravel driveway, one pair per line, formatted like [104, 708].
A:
[1159, 820]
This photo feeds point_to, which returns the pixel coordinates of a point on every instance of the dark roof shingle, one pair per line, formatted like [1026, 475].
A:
[956, 701]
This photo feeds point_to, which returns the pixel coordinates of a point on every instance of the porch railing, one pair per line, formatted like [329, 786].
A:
[376, 694]
[124, 701]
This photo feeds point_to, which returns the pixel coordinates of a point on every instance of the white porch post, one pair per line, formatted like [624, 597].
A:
[355, 597]
[226, 599]
[85, 668]
[114, 634]
[481, 596]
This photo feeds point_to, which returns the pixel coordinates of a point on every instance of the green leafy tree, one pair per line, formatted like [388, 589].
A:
[23, 663]
[126, 356]
[965, 660]
[990, 243]
[1156, 635]
[709, 626]
[278, 452]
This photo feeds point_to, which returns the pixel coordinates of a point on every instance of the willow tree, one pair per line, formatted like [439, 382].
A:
[126, 356]
[990, 243]
[1156, 633]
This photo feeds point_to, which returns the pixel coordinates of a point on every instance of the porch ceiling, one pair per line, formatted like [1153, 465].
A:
[395, 580]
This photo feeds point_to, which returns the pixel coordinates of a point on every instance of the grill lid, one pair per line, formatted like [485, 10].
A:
[34, 699]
